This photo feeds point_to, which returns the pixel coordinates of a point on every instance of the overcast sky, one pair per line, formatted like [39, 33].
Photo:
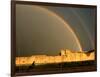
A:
[41, 29]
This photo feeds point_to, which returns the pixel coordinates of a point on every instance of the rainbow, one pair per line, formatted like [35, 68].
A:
[49, 12]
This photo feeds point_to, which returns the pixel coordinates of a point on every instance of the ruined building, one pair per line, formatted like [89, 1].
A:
[65, 56]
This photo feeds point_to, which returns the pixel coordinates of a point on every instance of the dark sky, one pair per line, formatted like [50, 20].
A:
[48, 29]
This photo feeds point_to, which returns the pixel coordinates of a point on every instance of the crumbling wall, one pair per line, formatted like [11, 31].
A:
[66, 56]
